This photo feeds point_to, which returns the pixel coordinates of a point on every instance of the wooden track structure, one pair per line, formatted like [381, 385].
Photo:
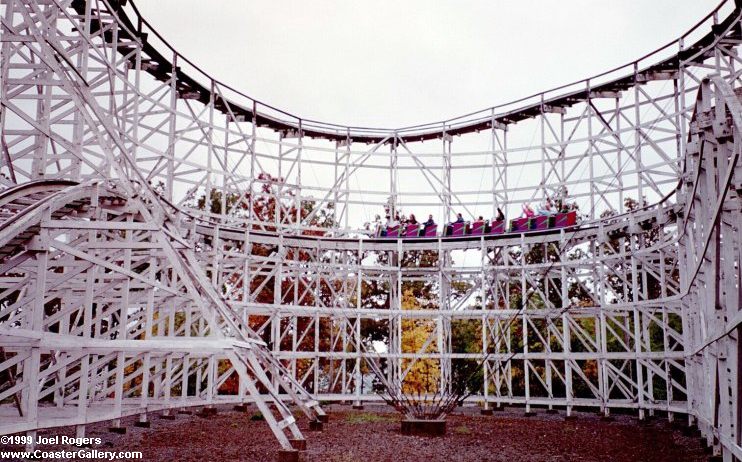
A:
[121, 297]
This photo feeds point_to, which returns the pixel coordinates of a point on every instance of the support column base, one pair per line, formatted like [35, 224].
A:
[142, 424]
[117, 430]
[208, 412]
[315, 426]
[288, 455]
[421, 427]
[299, 444]
[485, 411]
[324, 418]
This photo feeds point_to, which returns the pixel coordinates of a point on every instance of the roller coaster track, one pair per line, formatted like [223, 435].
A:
[161, 67]
[120, 297]
[27, 204]
[49, 204]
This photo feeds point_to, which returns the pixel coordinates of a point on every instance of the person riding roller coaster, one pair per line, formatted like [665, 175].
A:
[459, 221]
[479, 226]
[528, 211]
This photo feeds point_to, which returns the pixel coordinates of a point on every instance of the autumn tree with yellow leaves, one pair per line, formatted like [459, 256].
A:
[424, 375]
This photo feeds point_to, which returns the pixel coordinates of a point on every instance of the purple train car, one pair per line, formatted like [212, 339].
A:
[412, 231]
[430, 231]
[481, 228]
[562, 220]
[478, 228]
[497, 227]
[393, 231]
[519, 224]
[457, 229]
[539, 222]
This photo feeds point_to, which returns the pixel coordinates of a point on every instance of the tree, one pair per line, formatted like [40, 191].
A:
[272, 204]
[424, 374]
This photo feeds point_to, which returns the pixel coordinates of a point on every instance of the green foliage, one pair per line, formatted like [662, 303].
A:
[365, 417]
[466, 337]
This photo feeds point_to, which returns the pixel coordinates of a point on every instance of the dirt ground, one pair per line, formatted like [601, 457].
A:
[373, 435]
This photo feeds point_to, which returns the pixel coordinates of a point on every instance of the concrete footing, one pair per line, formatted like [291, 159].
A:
[288, 455]
[323, 418]
[142, 424]
[117, 430]
[421, 427]
[358, 407]
[570, 417]
[167, 416]
[240, 407]
[185, 411]
[552, 411]
[299, 444]
[208, 412]
[315, 426]
[529, 414]
[485, 411]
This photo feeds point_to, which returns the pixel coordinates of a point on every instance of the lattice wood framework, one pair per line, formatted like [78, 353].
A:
[121, 296]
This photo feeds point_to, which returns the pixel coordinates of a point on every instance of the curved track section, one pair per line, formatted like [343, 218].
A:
[190, 136]
[97, 326]
[212, 248]
[692, 48]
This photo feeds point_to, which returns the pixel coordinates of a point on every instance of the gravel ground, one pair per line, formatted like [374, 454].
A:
[373, 435]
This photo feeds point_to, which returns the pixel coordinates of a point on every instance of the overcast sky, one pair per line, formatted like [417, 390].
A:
[394, 63]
